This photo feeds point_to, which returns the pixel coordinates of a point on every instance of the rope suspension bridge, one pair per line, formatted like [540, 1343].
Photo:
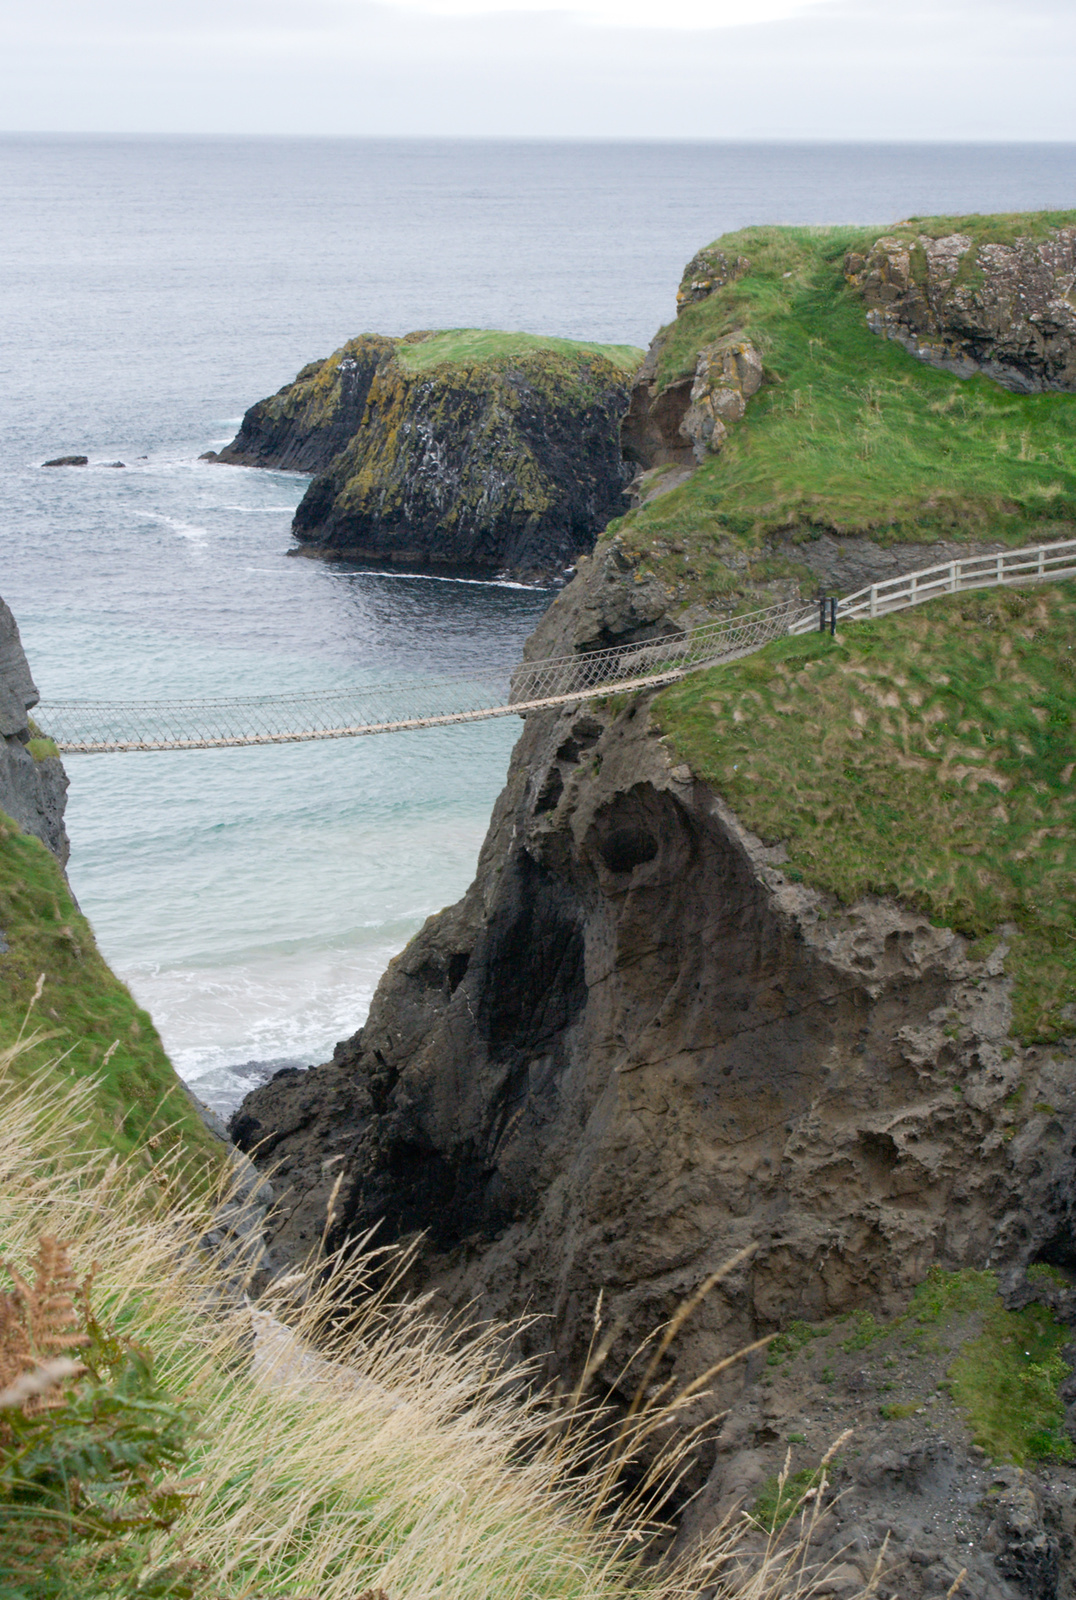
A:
[84, 727]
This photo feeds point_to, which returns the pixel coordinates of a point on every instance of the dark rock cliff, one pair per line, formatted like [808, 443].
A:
[635, 1047]
[33, 784]
[310, 420]
[478, 463]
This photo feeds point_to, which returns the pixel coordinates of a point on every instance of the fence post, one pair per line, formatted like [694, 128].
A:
[953, 565]
[821, 613]
[833, 615]
[1001, 568]
[874, 600]
[1042, 561]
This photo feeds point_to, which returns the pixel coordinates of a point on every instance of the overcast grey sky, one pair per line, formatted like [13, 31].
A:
[696, 69]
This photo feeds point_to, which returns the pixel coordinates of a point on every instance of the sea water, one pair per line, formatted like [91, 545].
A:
[151, 290]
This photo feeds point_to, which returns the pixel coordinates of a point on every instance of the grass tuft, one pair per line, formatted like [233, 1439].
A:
[1007, 1378]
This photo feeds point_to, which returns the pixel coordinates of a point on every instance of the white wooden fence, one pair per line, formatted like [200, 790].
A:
[952, 577]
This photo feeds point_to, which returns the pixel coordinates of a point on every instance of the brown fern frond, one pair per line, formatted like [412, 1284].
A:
[55, 1321]
[39, 1320]
[16, 1353]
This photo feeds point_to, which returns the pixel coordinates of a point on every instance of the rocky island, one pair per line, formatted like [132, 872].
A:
[776, 967]
[464, 451]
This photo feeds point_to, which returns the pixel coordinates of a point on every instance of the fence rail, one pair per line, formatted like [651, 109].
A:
[1044, 561]
[98, 726]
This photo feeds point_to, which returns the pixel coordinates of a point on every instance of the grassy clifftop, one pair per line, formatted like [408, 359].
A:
[86, 1020]
[849, 433]
[420, 352]
[928, 755]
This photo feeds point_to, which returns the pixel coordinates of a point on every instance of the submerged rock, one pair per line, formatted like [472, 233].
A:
[473, 453]
[67, 461]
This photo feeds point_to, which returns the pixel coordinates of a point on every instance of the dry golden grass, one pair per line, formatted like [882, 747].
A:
[378, 1450]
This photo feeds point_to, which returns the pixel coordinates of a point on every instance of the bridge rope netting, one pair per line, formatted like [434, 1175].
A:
[298, 716]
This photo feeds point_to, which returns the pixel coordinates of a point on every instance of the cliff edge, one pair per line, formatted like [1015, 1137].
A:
[33, 784]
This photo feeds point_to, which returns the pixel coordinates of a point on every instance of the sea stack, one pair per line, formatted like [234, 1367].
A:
[468, 452]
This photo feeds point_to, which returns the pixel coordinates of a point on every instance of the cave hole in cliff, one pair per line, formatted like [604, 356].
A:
[627, 847]
[1058, 1251]
[585, 733]
[550, 792]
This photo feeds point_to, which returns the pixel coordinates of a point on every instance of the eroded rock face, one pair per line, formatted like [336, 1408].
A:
[636, 1047]
[680, 423]
[1005, 310]
[727, 374]
[32, 792]
[650, 435]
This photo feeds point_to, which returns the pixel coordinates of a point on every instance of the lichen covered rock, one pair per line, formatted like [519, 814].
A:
[1004, 309]
[485, 454]
[709, 269]
[310, 420]
[727, 374]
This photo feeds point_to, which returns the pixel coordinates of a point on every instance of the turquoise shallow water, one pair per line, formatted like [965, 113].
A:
[154, 288]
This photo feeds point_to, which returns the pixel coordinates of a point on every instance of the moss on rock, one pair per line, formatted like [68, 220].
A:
[466, 450]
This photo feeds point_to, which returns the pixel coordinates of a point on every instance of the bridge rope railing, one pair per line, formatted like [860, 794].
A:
[350, 711]
[347, 712]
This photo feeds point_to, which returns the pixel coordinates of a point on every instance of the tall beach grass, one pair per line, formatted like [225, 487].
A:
[346, 1441]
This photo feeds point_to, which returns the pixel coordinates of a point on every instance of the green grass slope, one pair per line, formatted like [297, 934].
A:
[849, 433]
[928, 755]
[420, 352]
[87, 1019]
